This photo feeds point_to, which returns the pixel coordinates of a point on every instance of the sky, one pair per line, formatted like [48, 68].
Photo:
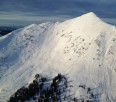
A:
[25, 12]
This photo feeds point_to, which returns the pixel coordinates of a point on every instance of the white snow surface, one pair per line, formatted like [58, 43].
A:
[83, 48]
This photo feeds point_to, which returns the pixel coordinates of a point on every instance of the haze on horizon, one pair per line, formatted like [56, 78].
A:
[25, 12]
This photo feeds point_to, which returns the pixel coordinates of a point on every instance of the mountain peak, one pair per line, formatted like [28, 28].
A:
[85, 19]
[90, 16]
[83, 49]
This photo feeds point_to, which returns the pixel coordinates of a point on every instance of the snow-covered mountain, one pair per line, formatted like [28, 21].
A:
[83, 49]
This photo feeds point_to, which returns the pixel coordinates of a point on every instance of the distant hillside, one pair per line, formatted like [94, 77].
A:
[6, 30]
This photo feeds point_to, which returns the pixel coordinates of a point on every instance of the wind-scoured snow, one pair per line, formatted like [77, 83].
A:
[83, 48]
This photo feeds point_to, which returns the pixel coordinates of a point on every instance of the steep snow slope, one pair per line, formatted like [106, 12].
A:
[83, 48]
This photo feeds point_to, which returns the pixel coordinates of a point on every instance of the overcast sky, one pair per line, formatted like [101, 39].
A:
[25, 12]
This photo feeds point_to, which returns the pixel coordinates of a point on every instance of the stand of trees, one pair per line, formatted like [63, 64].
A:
[54, 90]
[39, 88]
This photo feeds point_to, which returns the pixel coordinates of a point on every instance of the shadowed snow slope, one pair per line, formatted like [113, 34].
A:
[84, 48]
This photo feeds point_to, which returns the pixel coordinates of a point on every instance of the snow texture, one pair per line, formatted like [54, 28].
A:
[83, 48]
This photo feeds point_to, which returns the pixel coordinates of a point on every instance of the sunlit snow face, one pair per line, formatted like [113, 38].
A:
[24, 12]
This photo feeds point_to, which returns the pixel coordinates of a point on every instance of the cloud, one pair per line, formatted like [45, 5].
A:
[9, 19]
[32, 9]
